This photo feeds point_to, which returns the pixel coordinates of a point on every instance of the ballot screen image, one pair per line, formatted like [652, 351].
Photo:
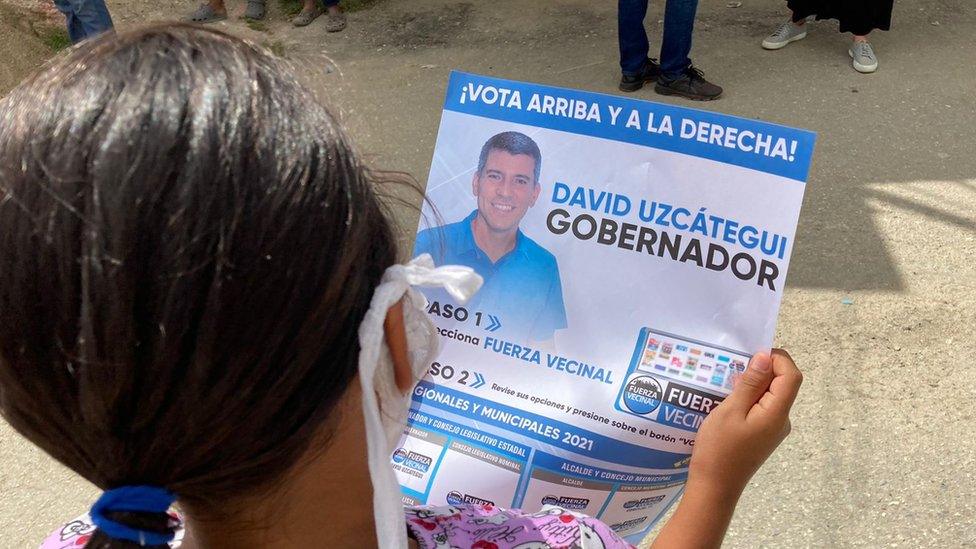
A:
[676, 380]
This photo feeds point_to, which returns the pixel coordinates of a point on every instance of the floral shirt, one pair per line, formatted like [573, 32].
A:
[452, 527]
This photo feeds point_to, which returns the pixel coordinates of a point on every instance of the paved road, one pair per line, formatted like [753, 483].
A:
[883, 450]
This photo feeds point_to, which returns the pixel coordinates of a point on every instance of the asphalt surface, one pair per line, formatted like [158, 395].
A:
[881, 301]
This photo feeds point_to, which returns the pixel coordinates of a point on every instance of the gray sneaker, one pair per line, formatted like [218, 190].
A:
[863, 57]
[786, 33]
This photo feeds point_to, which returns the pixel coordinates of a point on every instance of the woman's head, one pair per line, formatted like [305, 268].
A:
[188, 246]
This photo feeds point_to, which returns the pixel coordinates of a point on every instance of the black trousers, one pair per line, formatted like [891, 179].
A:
[856, 16]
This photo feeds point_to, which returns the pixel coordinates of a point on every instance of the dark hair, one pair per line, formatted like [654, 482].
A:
[512, 143]
[188, 246]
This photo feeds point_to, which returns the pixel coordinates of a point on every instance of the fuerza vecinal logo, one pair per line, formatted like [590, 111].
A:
[412, 460]
[566, 502]
[643, 503]
[643, 395]
[457, 498]
[628, 524]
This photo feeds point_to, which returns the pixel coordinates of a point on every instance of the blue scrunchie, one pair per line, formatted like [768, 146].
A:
[137, 499]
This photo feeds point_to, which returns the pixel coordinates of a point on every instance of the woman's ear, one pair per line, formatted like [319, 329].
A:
[396, 340]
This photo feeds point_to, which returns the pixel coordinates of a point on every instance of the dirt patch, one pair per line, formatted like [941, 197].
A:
[414, 25]
[419, 28]
[27, 39]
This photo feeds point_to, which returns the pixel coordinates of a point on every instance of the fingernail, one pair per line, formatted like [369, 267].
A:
[761, 363]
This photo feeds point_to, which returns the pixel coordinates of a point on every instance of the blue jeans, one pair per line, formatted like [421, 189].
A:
[85, 18]
[679, 22]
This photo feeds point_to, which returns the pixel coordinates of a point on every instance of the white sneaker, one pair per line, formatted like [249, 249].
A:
[786, 33]
[863, 58]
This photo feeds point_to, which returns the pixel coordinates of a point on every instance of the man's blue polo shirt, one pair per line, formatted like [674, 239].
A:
[522, 288]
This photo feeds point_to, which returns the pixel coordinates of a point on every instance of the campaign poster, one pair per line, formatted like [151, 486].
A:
[634, 256]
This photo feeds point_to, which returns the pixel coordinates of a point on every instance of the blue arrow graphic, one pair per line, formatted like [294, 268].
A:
[493, 323]
[479, 381]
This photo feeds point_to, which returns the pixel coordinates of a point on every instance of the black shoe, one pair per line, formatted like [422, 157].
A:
[650, 71]
[691, 84]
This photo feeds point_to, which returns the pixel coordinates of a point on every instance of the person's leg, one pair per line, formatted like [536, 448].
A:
[93, 16]
[679, 24]
[631, 36]
[209, 12]
[801, 10]
[863, 58]
[789, 31]
[678, 77]
[255, 10]
[636, 68]
[218, 6]
[860, 20]
[335, 20]
[76, 33]
[310, 12]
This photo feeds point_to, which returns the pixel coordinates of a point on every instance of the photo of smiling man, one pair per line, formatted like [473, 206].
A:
[522, 286]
